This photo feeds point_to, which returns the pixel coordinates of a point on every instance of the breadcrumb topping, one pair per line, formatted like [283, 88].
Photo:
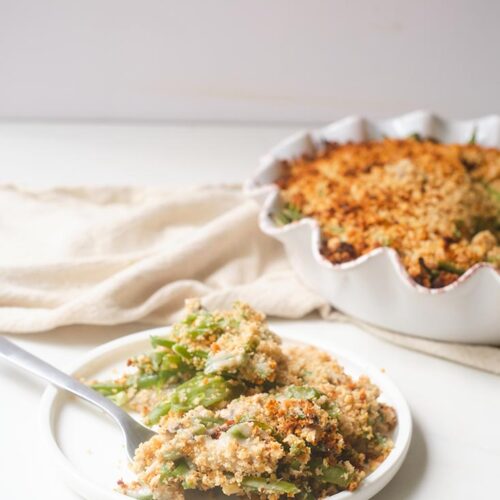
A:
[437, 205]
[249, 415]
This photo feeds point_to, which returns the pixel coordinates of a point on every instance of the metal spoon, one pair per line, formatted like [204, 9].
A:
[134, 432]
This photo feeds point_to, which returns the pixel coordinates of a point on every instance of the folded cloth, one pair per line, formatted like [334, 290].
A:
[107, 256]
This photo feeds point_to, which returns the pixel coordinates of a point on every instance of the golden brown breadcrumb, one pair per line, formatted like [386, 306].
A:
[437, 205]
[257, 418]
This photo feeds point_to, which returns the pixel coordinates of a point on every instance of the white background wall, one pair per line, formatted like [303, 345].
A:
[254, 60]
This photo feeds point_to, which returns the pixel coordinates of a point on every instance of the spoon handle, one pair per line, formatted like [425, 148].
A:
[24, 359]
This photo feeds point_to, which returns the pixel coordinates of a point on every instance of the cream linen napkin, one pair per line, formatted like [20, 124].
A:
[105, 256]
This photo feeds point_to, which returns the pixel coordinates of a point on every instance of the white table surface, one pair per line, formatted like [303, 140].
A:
[455, 451]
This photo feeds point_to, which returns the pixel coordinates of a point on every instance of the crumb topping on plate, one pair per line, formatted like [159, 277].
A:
[237, 410]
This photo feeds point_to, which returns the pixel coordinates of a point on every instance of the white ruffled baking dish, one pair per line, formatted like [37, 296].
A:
[376, 287]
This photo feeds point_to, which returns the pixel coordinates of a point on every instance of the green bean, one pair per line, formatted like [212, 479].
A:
[185, 353]
[336, 475]
[161, 341]
[157, 412]
[120, 398]
[201, 390]
[289, 213]
[302, 392]
[240, 431]
[205, 329]
[190, 319]
[108, 388]
[200, 354]
[450, 268]
[211, 421]
[332, 408]
[432, 273]
[473, 137]
[174, 363]
[205, 324]
[182, 351]
[277, 486]
[157, 358]
[147, 381]
[180, 470]
[198, 430]
[167, 367]
[198, 332]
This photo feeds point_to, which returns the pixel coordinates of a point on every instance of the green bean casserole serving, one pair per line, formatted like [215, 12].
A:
[237, 410]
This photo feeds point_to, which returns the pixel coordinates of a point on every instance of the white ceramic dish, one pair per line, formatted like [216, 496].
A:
[87, 448]
[375, 287]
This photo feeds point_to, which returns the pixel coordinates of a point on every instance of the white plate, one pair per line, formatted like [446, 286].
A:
[87, 448]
